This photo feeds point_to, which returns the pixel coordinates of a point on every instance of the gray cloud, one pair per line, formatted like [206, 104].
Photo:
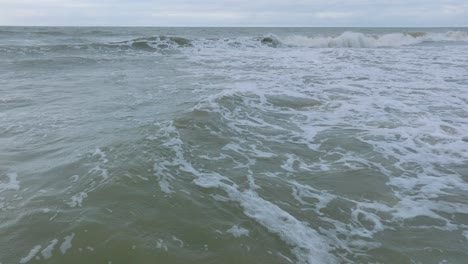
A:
[235, 12]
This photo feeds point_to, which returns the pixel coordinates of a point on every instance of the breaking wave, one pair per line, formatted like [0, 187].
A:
[163, 43]
[347, 39]
[155, 43]
[359, 40]
[148, 44]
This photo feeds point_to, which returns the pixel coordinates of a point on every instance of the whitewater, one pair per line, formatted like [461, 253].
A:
[233, 145]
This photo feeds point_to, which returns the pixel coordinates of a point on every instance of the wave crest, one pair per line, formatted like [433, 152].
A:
[155, 43]
[359, 40]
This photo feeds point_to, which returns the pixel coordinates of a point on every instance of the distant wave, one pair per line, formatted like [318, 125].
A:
[347, 39]
[163, 43]
[359, 40]
[155, 43]
[147, 44]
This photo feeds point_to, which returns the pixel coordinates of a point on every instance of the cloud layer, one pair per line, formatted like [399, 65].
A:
[234, 12]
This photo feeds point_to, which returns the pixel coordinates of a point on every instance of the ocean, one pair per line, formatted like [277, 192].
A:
[233, 145]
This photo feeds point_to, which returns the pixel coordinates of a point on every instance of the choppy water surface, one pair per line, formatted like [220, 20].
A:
[199, 145]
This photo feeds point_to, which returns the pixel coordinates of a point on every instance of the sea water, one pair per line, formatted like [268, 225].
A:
[233, 145]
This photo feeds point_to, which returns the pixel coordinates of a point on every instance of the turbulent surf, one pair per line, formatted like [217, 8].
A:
[233, 145]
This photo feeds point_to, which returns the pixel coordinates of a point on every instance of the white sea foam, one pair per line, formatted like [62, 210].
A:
[47, 252]
[387, 120]
[309, 245]
[103, 172]
[77, 200]
[160, 244]
[238, 231]
[301, 191]
[360, 40]
[30, 255]
[67, 243]
[75, 178]
[181, 243]
[11, 184]
[162, 168]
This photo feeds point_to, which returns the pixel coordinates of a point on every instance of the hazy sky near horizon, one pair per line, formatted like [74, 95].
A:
[234, 12]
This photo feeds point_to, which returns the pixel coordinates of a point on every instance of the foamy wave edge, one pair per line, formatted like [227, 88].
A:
[351, 39]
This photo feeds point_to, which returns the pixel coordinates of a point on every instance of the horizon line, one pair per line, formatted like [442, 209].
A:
[232, 26]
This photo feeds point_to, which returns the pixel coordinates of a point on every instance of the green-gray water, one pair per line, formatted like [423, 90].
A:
[233, 145]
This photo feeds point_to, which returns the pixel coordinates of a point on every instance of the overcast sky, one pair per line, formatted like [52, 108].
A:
[234, 12]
